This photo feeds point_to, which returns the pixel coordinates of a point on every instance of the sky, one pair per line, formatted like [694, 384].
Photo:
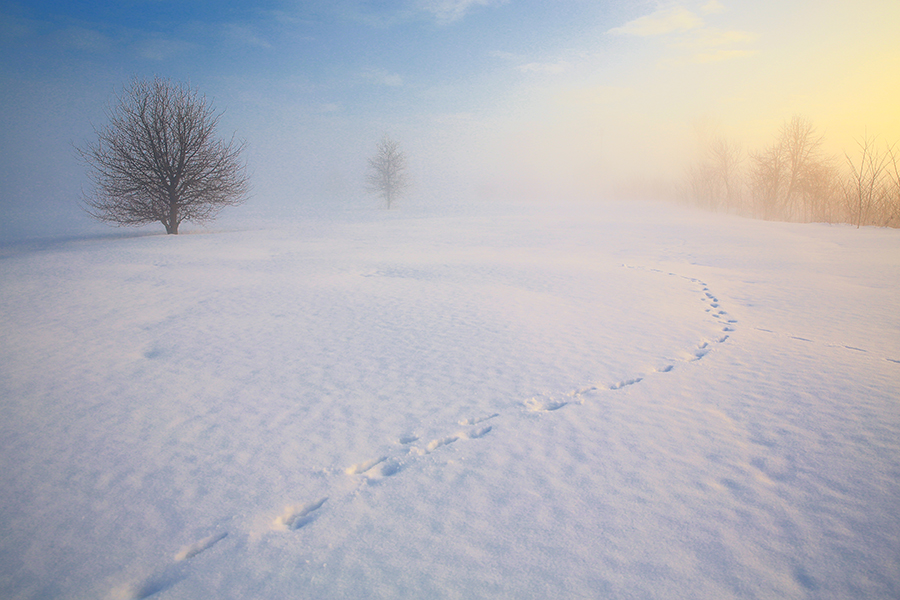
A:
[489, 98]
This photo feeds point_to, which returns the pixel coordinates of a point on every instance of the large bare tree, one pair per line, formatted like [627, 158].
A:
[387, 175]
[158, 159]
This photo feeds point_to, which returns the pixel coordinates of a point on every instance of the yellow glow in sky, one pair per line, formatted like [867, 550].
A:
[741, 67]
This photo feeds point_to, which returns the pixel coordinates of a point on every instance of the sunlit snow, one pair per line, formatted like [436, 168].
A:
[617, 400]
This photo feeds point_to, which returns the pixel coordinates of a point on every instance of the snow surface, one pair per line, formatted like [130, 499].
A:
[617, 400]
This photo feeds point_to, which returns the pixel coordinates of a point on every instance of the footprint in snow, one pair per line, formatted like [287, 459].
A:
[626, 383]
[539, 404]
[391, 467]
[478, 432]
[701, 351]
[362, 467]
[296, 516]
[385, 468]
[477, 420]
[158, 582]
[435, 444]
[199, 546]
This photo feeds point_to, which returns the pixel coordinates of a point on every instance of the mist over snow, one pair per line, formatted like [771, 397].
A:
[530, 379]
[601, 400]
[488, 99]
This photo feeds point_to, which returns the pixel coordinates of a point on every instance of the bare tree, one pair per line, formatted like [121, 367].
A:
[892, 193]
[786, 178]
[703, 186]
[726, 157]
[715, 180]
[387, 171]
[822, 190]
[767, 180]
[158, 160]
[864, 187]
[801, 145]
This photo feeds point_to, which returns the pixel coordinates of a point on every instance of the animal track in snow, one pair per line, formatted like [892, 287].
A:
[435, 444]
[158, 582]
[701, 351]
[362, 467]
[478, 432]
[385, 468]
[800, 338]
[296, 516]
[625, 383]
[171, 574]
[199, 546]
[388, 468]
[543, 404]
[477, 420]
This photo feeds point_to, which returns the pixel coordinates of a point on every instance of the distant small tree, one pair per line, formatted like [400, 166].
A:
[158, 159]
[387, 175]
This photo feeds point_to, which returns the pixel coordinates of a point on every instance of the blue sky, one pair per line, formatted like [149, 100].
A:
[486, 96]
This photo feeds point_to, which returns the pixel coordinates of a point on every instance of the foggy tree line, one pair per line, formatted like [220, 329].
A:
[793, 179]
[159, 160]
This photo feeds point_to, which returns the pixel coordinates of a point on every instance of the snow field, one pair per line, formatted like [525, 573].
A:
[613, 401]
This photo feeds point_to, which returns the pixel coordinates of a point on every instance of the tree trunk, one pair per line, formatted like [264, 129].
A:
[172, 225]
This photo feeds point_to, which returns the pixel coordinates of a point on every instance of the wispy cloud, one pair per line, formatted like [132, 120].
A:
[546, 68]
[661, 22]
[682, 29]
[593, 96]
[162, 48]
[502, 55]
[14, 28]
[712, 7]
[245, 36]
[87, 40]
[448, 11]
[710, 37]
[382, 77]
[701, 58]
[720, 55]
